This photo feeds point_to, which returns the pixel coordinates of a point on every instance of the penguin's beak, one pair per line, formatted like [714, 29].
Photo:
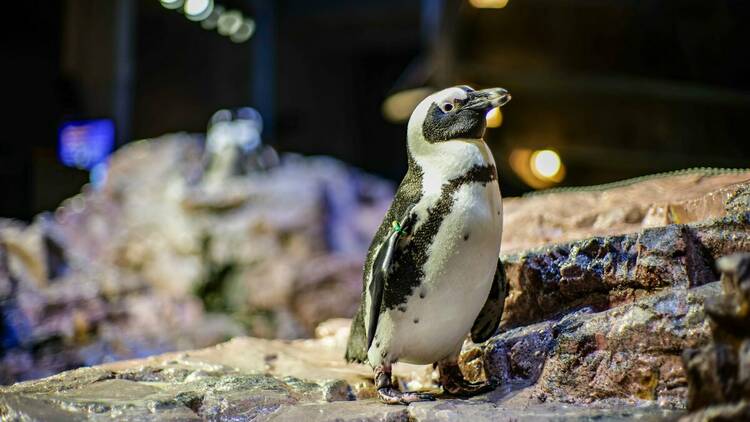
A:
[487, 99]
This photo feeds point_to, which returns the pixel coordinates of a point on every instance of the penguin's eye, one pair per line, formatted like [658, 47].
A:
[447, 107]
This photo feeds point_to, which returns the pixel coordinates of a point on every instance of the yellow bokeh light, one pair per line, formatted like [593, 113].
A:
[494, 117]
[546, 164]
[489, 4]
[539, 169]
[398, 107]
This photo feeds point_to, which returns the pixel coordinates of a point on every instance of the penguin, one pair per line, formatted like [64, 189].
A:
[432, 272]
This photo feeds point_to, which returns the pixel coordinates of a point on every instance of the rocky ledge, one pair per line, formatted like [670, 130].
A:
[620, 363]
[257, 379]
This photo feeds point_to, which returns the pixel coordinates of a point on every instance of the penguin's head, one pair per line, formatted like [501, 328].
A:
[454, 113]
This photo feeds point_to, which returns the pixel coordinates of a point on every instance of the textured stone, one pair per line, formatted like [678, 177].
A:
[721, 413]
[603, 272]
[257, 379]
[718, 373]
[589, 356]
[594, 326]
[565, 216]
[157, 261]
[586, 364]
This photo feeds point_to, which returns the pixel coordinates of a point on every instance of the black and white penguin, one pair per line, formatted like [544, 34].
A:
[432, 272]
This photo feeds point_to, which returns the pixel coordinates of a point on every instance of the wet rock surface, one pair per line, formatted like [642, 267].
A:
[257, 379]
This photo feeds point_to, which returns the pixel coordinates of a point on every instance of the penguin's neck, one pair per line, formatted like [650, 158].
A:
[440, 162]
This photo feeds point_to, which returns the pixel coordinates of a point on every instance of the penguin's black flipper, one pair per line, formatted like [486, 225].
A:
[355, 347]
[382, 265]
[489, 317]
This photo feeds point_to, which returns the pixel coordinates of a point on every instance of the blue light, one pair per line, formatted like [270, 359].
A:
[98, 175]
[85, 143]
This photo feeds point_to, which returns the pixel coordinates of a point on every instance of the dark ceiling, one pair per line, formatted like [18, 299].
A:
[619, 87]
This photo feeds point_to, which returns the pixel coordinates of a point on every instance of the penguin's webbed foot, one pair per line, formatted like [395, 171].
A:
[390, 395]
[454, 383]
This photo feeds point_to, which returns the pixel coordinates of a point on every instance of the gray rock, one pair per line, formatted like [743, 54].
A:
[154, 262]
[585, 366]
[603, 272]
[630, 353]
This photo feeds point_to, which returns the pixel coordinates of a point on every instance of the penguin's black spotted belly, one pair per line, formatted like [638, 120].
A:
[410, 271]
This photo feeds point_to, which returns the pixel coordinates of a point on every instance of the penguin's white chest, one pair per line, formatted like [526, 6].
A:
[461, 263]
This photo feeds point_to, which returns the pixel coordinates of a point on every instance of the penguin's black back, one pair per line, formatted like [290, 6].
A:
[409, 193]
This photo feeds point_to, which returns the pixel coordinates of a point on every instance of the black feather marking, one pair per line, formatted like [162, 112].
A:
[489, 317]
[355, 347]
[409, 193]
[464, 123]
[409, 273]
[382, 269]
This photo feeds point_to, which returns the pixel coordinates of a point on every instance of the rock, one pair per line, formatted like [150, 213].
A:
[76, 322]
[707, 372]
[589, 356]
[599, 311]
[25, 252]
[622, 207]
[718, 373]
[606, 271]
[155, 261]
[602, 270]
[586, 364]
[56, 314]
[257, 379]
[728, 412]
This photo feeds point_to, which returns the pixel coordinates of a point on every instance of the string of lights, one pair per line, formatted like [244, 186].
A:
[230, 23]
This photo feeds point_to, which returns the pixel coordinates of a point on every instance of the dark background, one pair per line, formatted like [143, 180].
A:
[620, 88]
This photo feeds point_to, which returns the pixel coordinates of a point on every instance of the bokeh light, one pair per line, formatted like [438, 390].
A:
[489, 4]
[546, 164]
[537, 168]
[494, 117]
[229, 22]
[398, 107]
[244, 32]
[172, 4]
[197, 10]
[211, 16]
[212, 20]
